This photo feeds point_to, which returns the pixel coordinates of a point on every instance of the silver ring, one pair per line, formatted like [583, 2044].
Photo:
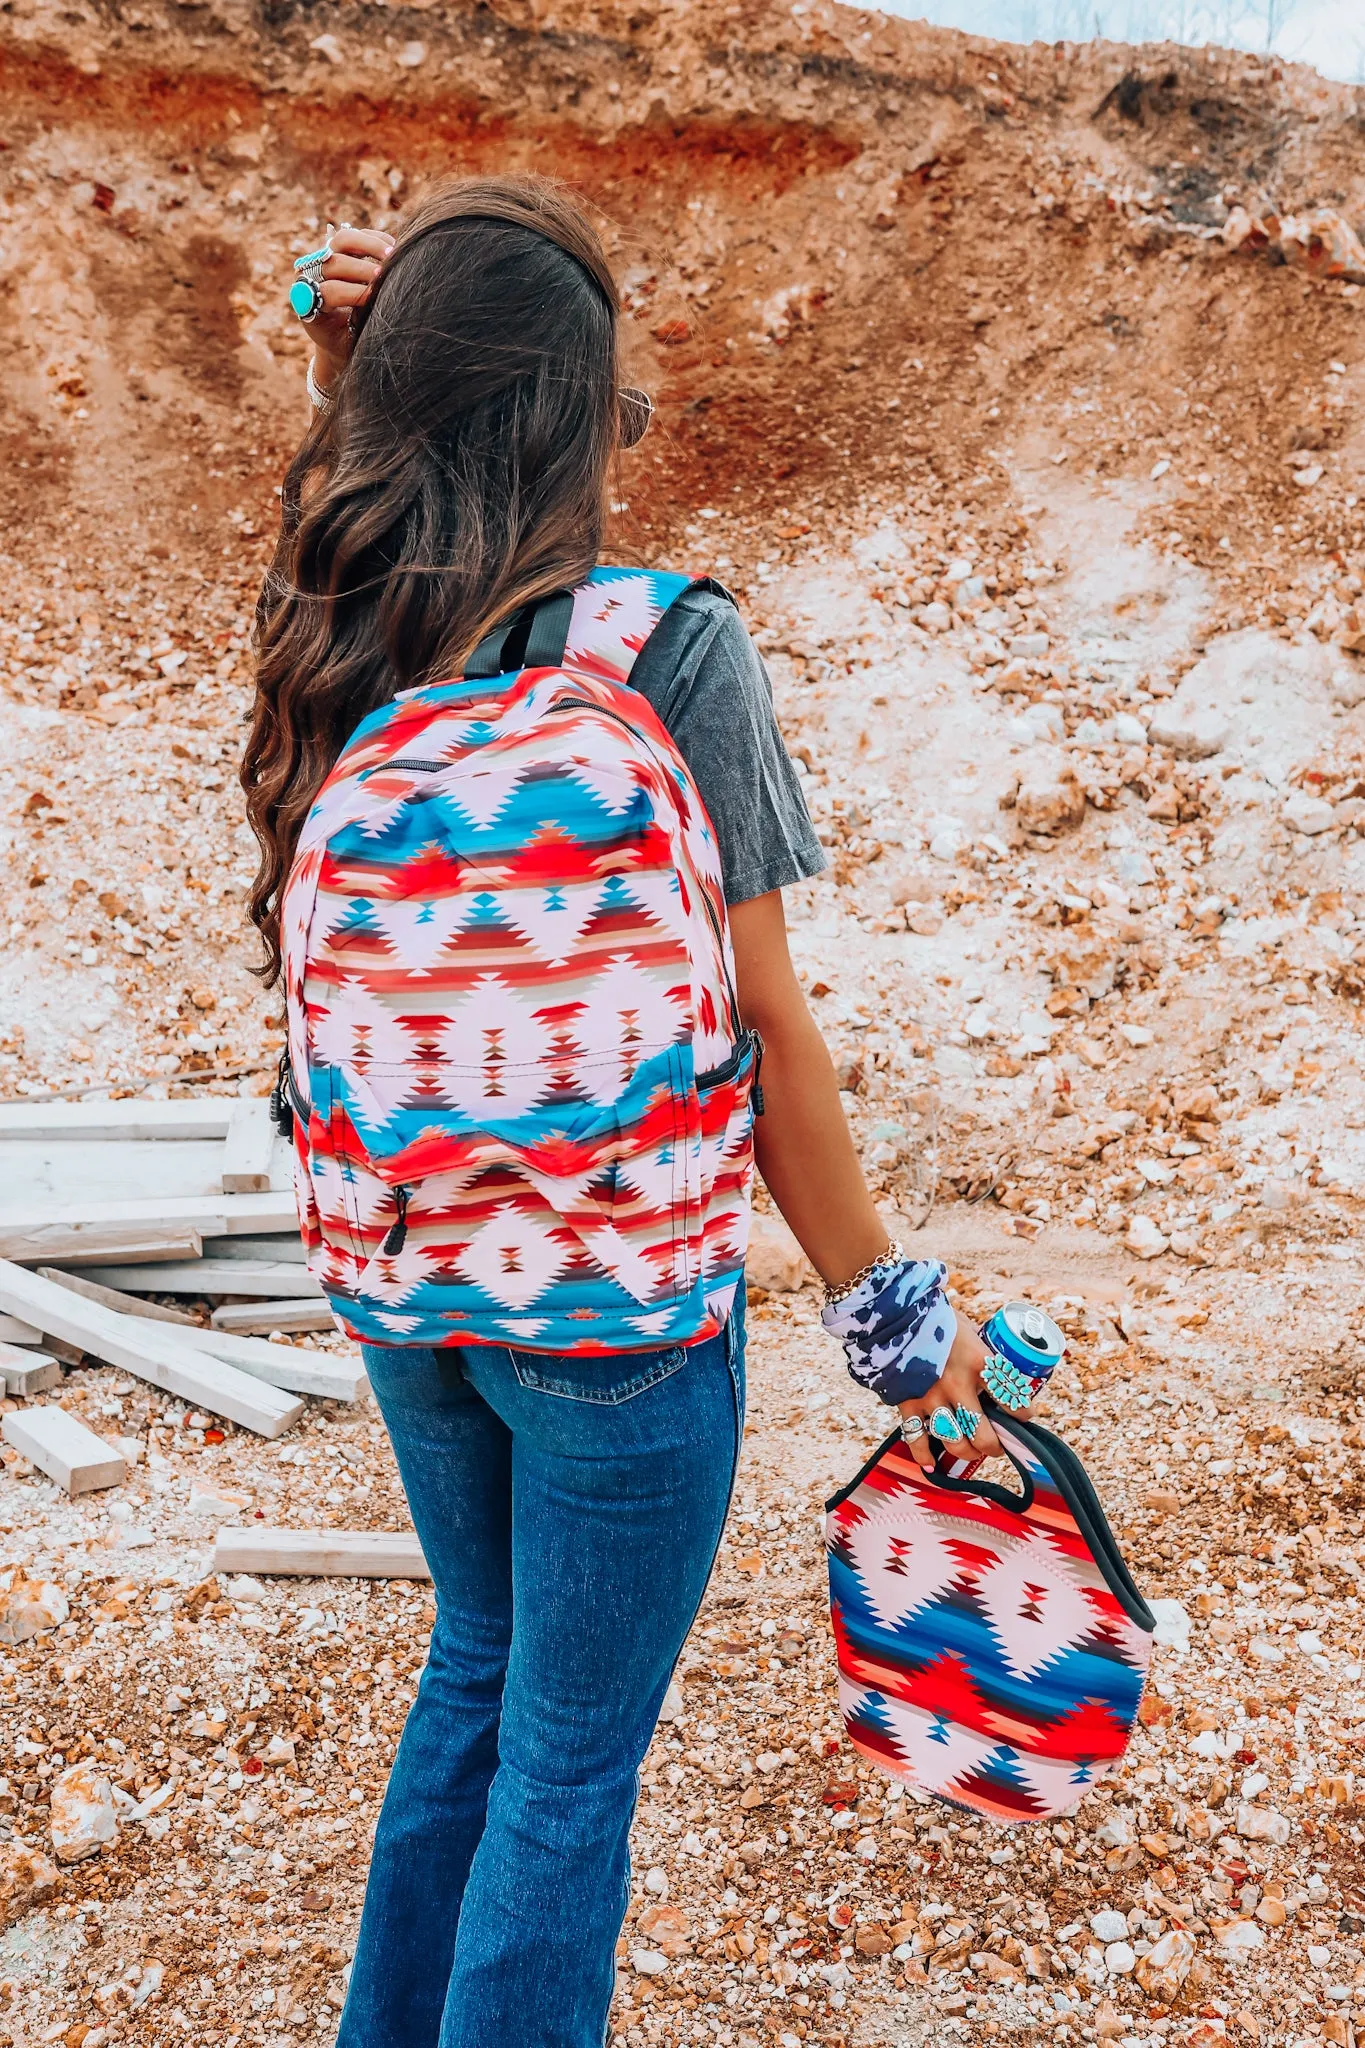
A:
[912, 1428]
[943, 1425]
[305, 299]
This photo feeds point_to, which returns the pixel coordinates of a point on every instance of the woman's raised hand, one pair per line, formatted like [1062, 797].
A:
[347, 279]
[957, 1388]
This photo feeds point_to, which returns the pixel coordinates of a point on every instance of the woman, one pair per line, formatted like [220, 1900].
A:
[466, 376]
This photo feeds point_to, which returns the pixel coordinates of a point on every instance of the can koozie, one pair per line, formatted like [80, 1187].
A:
[992, 1644]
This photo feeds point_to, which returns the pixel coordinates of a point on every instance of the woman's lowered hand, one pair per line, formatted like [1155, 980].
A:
[957, 1389]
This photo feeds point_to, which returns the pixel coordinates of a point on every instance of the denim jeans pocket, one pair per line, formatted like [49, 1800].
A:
[605, 1381]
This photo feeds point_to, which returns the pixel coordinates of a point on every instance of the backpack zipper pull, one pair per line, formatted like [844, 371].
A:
[756, 1092]
[398, 1229]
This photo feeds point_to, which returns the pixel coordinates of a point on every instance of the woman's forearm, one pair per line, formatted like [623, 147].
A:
[804, 1149]
[806, 1155]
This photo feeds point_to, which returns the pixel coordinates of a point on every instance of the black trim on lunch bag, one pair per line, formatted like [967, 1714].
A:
[1001, 1495]
[1069, 1476]
[836, 1500]
[1074, 1484]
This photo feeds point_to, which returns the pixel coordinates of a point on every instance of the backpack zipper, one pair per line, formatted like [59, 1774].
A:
[715, 1077]
[396, 1236]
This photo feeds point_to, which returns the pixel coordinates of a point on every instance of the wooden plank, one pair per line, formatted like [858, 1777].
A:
[275, 1279]
[327, 1375]
[148, 1351]
[65, 1449]
[78, 1247]
[62, 1175]
[27, 1372]
[284, 1248]
[63, 1236]
[15, 1331]
[260, 1317]
[321, 1553]
[250, 1148]
[109, 1297]
[204, 1117]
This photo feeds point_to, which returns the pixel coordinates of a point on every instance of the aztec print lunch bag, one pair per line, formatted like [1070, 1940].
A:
[992, 1645]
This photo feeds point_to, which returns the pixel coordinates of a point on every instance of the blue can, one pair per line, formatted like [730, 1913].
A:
[1026, 1339]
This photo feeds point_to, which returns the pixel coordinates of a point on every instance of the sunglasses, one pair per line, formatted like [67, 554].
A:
[635, 410]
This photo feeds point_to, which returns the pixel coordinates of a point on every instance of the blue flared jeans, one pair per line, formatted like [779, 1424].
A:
[570, 1510]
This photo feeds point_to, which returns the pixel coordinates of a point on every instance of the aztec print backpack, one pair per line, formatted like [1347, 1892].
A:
[992, 1646]
[521, 1094]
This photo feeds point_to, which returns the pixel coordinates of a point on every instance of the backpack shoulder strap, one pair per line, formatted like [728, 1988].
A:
[614, 613]
[598, 629]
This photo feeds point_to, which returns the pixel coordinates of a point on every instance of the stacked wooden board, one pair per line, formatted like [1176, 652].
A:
[105, 1204]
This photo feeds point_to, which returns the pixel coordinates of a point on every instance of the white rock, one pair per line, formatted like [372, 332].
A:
[1136, 1034]
[1347, 685]
[327, 46]
[1172, 1631]
[1115, 1832]
[29, 1607]
[1044, 721]
[81, 1815]
[1133, 733]
[673, 1702]
[935, 617]
[26, 1876]
[1029, 647]
[1144, 1240]
[1319, 1955]
[1119, 1959]
[1193, 735]
[1240, 1938]
[1136, 869]
[946, 843]
[246, 1589]
[207, 1499]
[1263, 1824]
[647, 1962]
[412, 56]
[1310, 1642]
[656, 1882]
[1309, 814]
[1264, 1651]
[1109, 1926]
[279, 1750]
[1165, 1967]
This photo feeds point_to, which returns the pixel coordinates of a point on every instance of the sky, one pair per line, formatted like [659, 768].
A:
[1329, 34]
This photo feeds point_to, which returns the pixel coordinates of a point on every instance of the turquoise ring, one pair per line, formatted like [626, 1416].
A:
[968, 1422]
[313, 261]
[1005, 1383]
[305, 298]
[943, 1425]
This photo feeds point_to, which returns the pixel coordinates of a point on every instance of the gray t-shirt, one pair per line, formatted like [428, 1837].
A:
[706, 680]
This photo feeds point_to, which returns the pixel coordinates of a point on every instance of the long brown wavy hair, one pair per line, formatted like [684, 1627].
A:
[462, 471]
